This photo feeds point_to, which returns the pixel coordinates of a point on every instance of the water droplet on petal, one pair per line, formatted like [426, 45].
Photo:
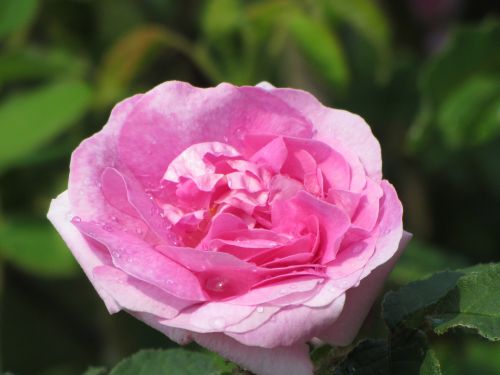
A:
[114, 218]
[107, 227]
[76, 219]
[216, 284]
[138, 231]
[260, 309]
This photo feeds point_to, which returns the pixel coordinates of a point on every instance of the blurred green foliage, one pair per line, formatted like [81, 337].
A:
[425, 75]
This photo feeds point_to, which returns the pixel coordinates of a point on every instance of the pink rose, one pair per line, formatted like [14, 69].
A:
[247, 219]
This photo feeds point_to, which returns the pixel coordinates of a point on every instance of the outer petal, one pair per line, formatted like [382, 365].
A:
[135, 295]
[282, 360]
[88, 162]
[180, 115]
[60, 215]
[359, 301]
[291, 325]
[334, 125]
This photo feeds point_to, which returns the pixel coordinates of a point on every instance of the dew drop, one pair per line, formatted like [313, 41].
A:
[76, 219]
[138, 230]
[218, 323]
[114, 218]
[216, 284]
[107, 227]
[260, 309]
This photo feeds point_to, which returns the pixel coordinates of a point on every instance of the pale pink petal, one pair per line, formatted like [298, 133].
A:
[136, 257]
[334, 125]
[390, 228]
[89, 161]
[258, 317]
[136, 295]
[266, 294]
[176, 115]
[291, 325]
[191, 162]
[283, 360]
[60, 216]
[359, 301]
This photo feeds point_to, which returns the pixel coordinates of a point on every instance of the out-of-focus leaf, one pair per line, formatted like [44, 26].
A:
[15, 14]
[35, 247]
[172, 362]
[367, 18]
[29, 119]
[31, 63]
[321, 47]
[96, 371]
[472, 112]
[465, 298]
[130, 55]
[220, 18]
[452, 84]
[406, 353]
[420, 260]
[417, 296]
[368, 357]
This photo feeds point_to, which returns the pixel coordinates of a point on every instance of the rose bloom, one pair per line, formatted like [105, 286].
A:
[248, 219]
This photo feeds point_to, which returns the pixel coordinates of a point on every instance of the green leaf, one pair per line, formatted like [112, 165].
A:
[420, 260]
[417, 296]
[366, 17]
[430, 365]
[472, 112]
[16, 14]
[368, 357]
[96, 371]
[321, 47]
[32, 63]
[406, 353]
[172, 362]
[131, 54]
[459, 90]
[35, 247]
[30, 119]
[221, 18]
[474, 303]
[465, 298]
